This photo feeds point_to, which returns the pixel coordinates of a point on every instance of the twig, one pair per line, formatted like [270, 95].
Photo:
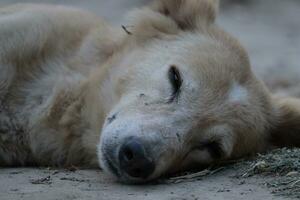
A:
[295, 183]
[126, 30]
[46, 180]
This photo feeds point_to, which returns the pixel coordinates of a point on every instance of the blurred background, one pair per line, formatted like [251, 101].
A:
[269, 29]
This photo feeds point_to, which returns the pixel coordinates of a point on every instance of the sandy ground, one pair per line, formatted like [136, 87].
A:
[269, 29]
[37, 184]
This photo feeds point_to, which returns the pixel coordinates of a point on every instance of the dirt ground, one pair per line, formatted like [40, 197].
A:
[37, 184]
[270, 31]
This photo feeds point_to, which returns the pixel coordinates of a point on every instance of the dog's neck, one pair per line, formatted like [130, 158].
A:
[92, 100]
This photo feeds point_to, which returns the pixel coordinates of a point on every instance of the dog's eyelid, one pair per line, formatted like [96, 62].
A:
[213, 147]
[175, 80]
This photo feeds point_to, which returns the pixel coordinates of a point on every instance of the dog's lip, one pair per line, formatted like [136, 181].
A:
[112, 167]
[114, 170]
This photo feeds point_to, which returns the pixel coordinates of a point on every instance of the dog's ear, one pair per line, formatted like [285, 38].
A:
[172, 16]
[285, 130]
[188, 14]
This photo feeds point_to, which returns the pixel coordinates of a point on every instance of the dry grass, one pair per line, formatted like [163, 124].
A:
[281, 165]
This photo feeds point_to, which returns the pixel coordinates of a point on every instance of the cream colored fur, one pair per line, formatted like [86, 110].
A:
[72, 88]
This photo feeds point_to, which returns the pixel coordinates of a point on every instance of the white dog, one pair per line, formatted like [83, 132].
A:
[170, 92]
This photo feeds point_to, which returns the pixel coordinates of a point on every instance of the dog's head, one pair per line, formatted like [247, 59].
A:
[185, 94]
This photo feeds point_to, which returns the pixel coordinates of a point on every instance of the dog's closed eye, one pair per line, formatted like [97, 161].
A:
[175, 80]
[213, 147]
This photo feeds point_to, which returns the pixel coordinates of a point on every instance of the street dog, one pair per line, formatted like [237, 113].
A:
[167, 92]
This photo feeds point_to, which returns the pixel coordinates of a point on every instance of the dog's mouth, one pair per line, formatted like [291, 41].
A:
[112, 167]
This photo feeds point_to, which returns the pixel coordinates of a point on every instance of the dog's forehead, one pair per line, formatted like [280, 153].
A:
[199, 50]
[178, 50]
[197, 56]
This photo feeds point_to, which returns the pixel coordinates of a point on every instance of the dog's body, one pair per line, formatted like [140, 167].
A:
[44, 64]
[66, 74]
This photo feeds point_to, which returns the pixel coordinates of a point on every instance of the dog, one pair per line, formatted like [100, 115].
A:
[169, 92]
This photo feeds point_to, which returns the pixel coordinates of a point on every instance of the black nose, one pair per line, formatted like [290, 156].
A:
[134, 161]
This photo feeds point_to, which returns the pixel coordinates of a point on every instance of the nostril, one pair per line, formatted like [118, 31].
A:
[128, 154]
[137, 172]
[131, 152]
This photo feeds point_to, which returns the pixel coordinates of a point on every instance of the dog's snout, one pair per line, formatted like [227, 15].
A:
[134, 159]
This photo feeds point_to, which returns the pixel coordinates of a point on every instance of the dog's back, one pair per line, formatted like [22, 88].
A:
[41, 48]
